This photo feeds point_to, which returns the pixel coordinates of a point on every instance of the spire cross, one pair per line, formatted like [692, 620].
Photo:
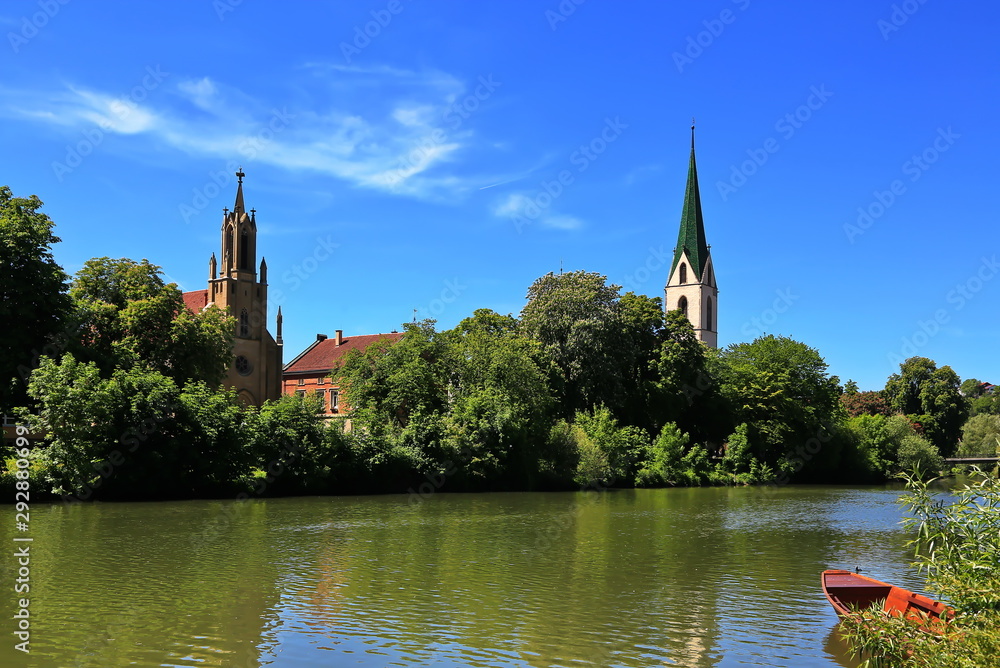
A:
[240, 174]
[225, 210]
[253, 211]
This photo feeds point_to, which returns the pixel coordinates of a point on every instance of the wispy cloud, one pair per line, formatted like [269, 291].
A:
[525, 210]
[393, 138]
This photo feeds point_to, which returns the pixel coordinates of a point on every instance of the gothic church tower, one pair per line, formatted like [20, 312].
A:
[691, 286]
[237, 288]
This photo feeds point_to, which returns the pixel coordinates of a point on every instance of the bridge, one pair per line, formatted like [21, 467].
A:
[975, 459]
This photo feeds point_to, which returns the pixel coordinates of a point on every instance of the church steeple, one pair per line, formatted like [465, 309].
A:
[691, 238]
[691, 287]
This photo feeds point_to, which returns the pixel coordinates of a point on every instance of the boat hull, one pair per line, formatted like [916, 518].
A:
[850, 592]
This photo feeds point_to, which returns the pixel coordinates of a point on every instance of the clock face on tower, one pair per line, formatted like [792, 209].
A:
[243, 366]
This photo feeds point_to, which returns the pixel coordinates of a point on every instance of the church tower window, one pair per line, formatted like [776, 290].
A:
[684, 273]
[244, 324]
[708, 313]
[682, 305]
[244, 250]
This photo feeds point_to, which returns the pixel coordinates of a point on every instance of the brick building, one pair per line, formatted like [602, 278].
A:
[314, 371]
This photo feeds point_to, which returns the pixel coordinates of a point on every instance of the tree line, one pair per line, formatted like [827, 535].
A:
[588, 386]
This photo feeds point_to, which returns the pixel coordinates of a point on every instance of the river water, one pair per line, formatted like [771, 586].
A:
[637, 578]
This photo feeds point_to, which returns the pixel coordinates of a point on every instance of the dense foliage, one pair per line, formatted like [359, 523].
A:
[588, 387]
[957, 544]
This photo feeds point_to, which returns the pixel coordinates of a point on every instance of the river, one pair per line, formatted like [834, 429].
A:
[631, 578]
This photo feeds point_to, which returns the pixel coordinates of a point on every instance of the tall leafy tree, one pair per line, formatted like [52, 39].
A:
[576, 317]
[129, 317]
[781, 389]
[33, 300]
[932, 397]
[688, 391]
[499, 399]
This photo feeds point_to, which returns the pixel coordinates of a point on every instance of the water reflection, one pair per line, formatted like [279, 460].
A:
[689, 577]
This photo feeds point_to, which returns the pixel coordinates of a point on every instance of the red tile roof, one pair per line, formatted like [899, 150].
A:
[196, 300]
[326, 354]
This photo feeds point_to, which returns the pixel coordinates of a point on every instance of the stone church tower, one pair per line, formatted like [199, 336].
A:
[691, 286]
[239, 289]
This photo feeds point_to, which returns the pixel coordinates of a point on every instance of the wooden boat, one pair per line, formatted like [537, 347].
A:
[850, 592]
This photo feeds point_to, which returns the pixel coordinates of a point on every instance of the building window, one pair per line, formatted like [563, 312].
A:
[708, 314]
[322, 397]
[302, 381]
[9, 421]
[682, 305]
[243, 366]
[300, 393]
[244, 324]
[334, 401]
[321, 381]
[244, 250]
[684, 273]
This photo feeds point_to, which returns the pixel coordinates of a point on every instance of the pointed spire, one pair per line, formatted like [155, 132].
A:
[691, 238]
[238, 207]
[212, 268]
[278, 339]
[263, 271]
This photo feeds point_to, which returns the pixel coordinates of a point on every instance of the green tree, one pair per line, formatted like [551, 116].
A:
[499, 400]
[781, 389]
[129, 317]
[920, 388]
[577, 319]
[33, 300]
[136, 434]
[980, 435]
[688, 391]
[664, 464]
[622, 448]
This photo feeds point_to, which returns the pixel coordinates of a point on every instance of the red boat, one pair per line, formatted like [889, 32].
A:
[849, 592]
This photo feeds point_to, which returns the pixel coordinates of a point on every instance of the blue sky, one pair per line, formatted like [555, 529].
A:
[847, 155]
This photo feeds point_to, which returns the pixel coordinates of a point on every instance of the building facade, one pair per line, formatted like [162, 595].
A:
[237, 287]
[314, 371]
[691, 286]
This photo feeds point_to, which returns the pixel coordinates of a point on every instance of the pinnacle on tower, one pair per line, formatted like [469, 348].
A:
[238, 207]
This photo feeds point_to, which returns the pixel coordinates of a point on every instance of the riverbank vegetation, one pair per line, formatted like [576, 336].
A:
[586, 387]
[957, 544]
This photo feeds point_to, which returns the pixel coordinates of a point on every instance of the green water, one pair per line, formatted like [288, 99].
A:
[688, 577]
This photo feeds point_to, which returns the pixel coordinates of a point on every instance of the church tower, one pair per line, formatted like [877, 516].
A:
[691, 286]
[235, 286]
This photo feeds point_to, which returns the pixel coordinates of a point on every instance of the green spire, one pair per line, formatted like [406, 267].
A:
[692, 234]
